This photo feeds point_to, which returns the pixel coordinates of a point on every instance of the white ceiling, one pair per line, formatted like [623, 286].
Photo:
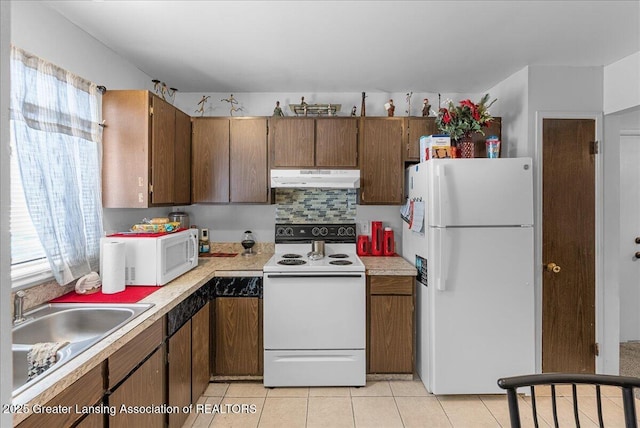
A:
[354, 46]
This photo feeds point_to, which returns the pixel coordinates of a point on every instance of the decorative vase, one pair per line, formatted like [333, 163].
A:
[466, 146]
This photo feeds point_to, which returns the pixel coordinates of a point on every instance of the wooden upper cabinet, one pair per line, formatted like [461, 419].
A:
[292, 142]
[182, 160]
[143, 151]
[163, 132]
[210, 164]
[416, 128]
[305, 142]
[248, 173]
[229, 160]
[337, 142]
[382, 169]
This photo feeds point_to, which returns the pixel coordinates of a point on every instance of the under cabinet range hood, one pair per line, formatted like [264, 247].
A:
[315, 178]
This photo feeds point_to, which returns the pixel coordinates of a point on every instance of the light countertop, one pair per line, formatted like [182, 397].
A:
[165, 299]
[388, 266]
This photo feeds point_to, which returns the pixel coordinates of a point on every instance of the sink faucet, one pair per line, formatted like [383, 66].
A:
[18, 305]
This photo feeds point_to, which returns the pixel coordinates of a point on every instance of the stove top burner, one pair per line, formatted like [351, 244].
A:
[291, 262]
[339, 256]
[291, 256]
[340, 262]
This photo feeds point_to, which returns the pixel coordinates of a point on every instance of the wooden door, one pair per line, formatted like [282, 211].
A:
[200, 373]
[237, 336]
[210, 160]
[568, 225]
[382, 168]
[179, 373]
[248, 173]
[629, 237]
[417, 127]
[337, 142]
[292, 142]
[182, 159]
[163, 131]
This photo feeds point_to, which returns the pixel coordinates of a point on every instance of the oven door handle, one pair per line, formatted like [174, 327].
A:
[314, 275]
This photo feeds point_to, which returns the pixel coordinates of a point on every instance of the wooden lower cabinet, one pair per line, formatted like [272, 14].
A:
[86, 391]
[94, 420]
[200, 355]
[391, 324]
[179, 373]
[144, 387]
[237, 338]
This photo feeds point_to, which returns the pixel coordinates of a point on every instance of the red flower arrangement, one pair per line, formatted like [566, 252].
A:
[467, 118]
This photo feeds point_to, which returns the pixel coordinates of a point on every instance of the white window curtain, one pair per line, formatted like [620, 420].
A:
[55, 117]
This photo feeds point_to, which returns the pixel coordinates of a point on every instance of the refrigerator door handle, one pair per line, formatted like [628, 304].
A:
[440, 238]
[441, 199]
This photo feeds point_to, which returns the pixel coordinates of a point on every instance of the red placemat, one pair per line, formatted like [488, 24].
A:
[131, 294]
[217, 254]
[143, 234]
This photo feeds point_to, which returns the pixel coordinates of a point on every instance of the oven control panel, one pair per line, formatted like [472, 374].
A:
[340, 233]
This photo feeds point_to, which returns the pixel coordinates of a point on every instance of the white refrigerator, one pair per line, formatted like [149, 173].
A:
[473, 247]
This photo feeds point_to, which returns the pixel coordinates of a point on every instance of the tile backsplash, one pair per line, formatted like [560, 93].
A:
[316, 205]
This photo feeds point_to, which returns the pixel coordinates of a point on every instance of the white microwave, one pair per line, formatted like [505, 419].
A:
[158, 260]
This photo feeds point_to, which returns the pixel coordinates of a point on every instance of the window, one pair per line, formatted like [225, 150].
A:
[56, 150]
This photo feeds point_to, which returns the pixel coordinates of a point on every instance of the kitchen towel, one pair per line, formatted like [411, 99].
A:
[42, 356]
[113, 266]
[131, 294]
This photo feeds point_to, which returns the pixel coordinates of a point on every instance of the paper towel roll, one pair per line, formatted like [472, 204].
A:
[113, 267]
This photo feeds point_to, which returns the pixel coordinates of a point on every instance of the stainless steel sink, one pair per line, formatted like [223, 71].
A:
[80, 324]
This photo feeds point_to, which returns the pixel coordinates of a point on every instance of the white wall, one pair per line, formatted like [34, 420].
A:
[263, 103]
[622, 84]
[513, 107]
[6, 378]
[44, 32]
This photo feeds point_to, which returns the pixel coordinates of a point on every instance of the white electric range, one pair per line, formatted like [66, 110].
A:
[314, 309]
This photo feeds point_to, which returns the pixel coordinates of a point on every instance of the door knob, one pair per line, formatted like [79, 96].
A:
[638, 240]
[638, 255]
[552, 267]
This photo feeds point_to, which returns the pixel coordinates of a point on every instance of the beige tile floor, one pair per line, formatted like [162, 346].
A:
[384, 404]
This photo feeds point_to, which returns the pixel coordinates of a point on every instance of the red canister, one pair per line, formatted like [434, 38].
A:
[376, 238]
[363, 247]
[389, 242]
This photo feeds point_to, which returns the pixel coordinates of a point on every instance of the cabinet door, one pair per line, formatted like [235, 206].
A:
[382, 167]
[182, 160]
[417, 127]
[163, 131]
[210, 166]
[237, 336]
[86, 391]
[292, 142]
[391, 334]
[145, 387]
[337, 142]
[125, 149]
[179, 373]
[200, 334]
[248, 160]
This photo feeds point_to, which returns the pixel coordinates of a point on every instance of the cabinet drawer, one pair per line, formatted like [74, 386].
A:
[131, 354]
[391, 285]
[86, 391]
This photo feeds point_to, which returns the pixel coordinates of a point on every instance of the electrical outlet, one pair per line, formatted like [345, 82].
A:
[364, 227]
